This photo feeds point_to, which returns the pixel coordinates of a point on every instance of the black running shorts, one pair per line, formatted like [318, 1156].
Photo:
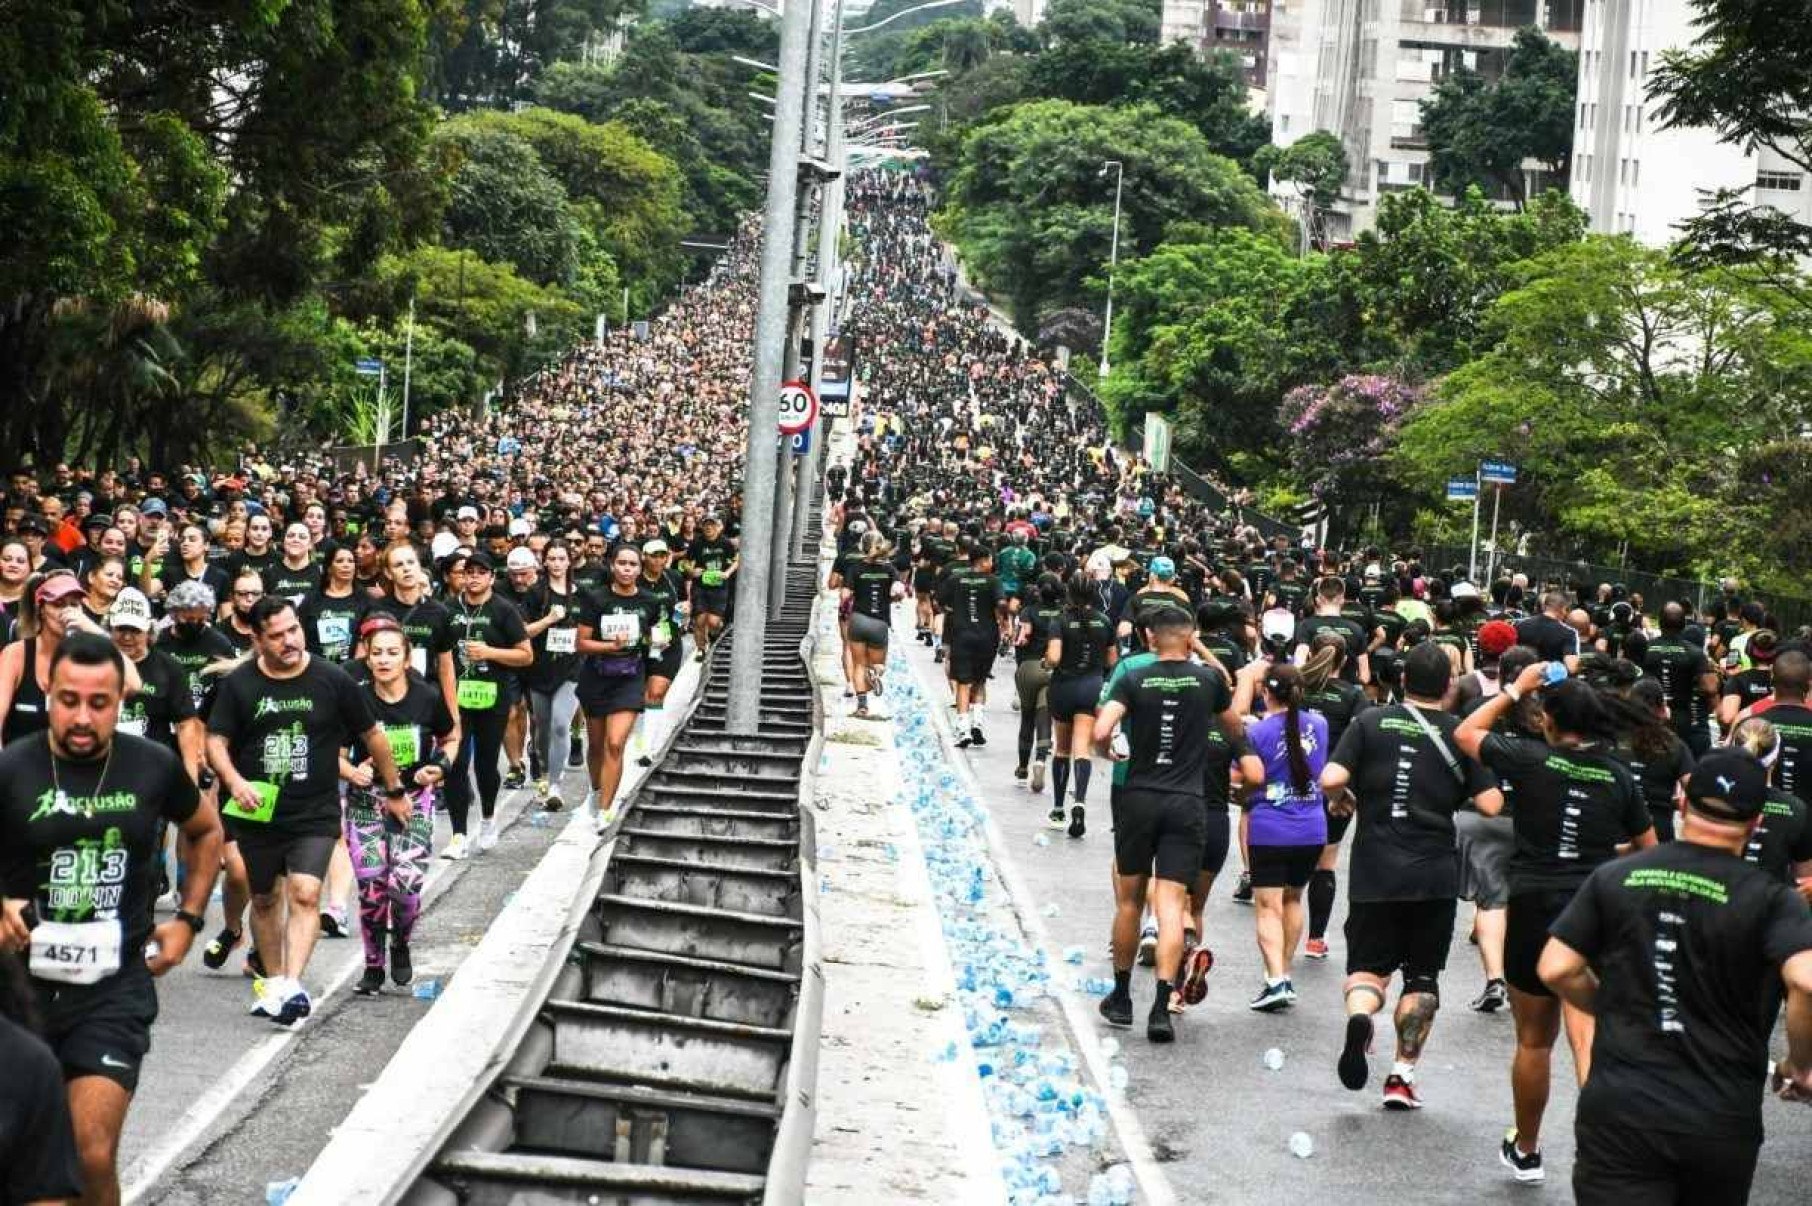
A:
[1159, 833]
[269, 855]
[1282, 866]
[868, 630]
[1620, 1165]
[1074, 695]
[972, 656]
[1526, 933]
[710, 600]
[101, 1029]
[1217, 837]
[1411, 936]
[601, 696]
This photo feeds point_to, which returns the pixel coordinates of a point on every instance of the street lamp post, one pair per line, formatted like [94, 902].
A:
[1113, 262]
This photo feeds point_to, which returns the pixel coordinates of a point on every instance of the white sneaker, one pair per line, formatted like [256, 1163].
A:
[456, 849]
[268, 995]
[590, 807]
[487, 835]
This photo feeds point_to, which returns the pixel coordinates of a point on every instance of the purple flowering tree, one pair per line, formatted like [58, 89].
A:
[1341, 435]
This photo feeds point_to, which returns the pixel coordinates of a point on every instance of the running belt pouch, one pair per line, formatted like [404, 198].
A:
[267, 804]
[477, 694]
[616, 665]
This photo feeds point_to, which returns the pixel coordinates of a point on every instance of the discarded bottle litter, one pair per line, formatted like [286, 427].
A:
[428, 990]
[1301, 1146]
[1274, 1059]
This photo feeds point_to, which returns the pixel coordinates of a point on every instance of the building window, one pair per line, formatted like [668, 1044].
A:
[1779, 182]
[1283, 123]
[1635, 173]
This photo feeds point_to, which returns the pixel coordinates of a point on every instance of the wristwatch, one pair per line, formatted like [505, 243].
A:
[391, 793]
[205, 779]
[195, 921]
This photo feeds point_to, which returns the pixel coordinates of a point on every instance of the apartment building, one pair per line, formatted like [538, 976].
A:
[1239, 27]
[1632, 177]
[1360, 68]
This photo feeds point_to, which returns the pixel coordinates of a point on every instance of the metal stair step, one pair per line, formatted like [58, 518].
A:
[627, 1124]
[521, 1179]
[666, 983]
[668, 1049]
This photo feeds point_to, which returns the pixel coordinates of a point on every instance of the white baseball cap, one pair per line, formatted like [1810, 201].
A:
[520, 559]
[130, 610]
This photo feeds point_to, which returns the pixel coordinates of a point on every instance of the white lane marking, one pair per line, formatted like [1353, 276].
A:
[141, 1179]
[1153, 1183]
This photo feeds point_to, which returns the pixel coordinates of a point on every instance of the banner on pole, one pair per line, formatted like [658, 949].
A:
[1157, 443]
[834, 376]
[1462, 488]
[1497, 473]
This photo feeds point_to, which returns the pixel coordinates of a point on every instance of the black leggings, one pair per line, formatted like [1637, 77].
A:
[480, 746]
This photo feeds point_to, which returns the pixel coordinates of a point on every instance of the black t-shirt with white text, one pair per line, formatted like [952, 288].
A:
[1403, 848]
[1169, 706]
[1574, 807]
[1687, 943]
[1794, 770]
[164, 700]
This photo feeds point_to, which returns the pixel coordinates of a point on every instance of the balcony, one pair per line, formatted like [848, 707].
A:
[1257, 22]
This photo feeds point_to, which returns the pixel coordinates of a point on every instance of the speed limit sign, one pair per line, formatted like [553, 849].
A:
[798, 407]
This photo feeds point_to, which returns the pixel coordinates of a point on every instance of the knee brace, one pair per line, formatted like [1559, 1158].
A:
[1428, 984]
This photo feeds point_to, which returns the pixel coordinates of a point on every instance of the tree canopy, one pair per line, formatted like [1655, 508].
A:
[1480, 130]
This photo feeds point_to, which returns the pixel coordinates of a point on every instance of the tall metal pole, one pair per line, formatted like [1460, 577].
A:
[408, 367]
[1472, 562]
[1497, 500]
[743, 714]
[830, 225]
[788, 481]
[1113, 262]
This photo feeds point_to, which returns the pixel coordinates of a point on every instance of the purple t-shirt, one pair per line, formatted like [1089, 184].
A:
[1281, 816]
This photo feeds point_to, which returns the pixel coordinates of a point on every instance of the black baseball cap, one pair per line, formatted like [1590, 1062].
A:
[1728, 785]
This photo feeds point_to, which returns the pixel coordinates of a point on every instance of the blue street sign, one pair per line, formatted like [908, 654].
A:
[1497, 473]
[1462, 487]
[800, 442]
[369, 367]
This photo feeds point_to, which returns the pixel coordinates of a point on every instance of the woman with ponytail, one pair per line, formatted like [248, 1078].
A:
[1288, 816]
[1576, 804]
[1340, 701]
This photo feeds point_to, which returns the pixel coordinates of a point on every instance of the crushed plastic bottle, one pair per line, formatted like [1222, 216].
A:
[1041, 839]
[428, 990]
[1274, 1059]
[1110, 1047]
[1301, 1146]
[1052, 910]
[1118, 1078]
[1073, 954]
[277, 1192]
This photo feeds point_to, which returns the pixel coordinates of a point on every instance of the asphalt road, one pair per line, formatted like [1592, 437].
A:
[228, 1103]
[1218, 1119]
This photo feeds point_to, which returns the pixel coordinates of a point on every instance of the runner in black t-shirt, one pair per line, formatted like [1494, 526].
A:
[274, 737]
[392, 840]
[38, 1160]
[1576, 803]
[491, 644]
[710, 563]
[1338, 701]
[1681, 954]
[80, 804]
[1746, 688]
[1033, 627]
[614, 628]
[1687, 676]
[868, 584]
[1330, 596]
[1080, 653]
[973, 604]
[1781, 844]
[1660, 763]
[1401, 775]
[666, 648]
[1163, 708]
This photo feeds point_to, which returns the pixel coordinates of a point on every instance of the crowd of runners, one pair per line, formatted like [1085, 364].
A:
[278, 676]
[1618, 786]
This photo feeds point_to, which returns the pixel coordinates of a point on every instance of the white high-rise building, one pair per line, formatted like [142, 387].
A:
[1629, 175]
[1360, 68]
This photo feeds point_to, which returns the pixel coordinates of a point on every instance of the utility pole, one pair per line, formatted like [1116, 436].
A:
[787, 485]
[760, 467]
[830, 225]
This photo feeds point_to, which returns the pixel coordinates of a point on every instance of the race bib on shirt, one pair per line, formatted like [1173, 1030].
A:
[563, 640]
[81, 953]
[627, 626]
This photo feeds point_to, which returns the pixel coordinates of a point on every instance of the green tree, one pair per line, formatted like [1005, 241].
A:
[1033, 215]
[1316, 163]
[1480, 130]
[1209, 93]
[1747, 76]
[1623, 385]
[1426, 274]
[504, 203]
[1207, 332]
[1103, 21]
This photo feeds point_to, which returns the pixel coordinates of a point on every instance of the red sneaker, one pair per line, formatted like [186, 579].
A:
[1315, 948]
[1195, 976]
[1400, 1094]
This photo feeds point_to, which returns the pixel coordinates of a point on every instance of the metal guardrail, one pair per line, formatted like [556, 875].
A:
[668, 1053]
